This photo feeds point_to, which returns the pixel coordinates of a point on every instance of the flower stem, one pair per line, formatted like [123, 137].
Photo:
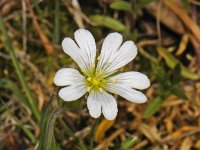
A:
[93, 131]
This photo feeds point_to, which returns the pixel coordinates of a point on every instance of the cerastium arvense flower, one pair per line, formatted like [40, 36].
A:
[99, 73]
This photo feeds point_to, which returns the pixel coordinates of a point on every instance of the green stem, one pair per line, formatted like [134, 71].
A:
[92, 132]
[147, 55]
[18, 70]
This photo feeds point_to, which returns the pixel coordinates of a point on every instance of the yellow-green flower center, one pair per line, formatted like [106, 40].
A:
[95, 83]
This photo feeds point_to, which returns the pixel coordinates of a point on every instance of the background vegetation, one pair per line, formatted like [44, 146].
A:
[167, 35]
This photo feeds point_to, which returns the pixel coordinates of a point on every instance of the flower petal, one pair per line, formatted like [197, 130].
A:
[104, 102]
[94, 104]
[68, 76]
[127, 93]
[109, 106]
[123, 56]
[132, 79]
[110, 45]
[73, 92]
[70, 48]
[87, 44]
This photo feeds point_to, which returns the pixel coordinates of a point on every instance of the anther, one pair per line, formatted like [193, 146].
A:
[88, 89]
[101, 90]
[89, 78]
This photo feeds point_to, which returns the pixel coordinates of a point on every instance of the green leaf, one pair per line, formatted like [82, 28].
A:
[108, 22]
[171, 61]
[49, 143]
[161, 75]
[142, 3]
[176, 77]
[121, 5]
[153, 107]
[43, 123]
[47, 139]
[179, 93]
[128, 143]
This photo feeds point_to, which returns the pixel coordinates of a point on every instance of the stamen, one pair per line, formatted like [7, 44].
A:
[95, 81]
[101, 90]
[89, 89]
[89, 78]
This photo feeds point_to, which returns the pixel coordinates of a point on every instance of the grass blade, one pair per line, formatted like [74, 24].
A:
[9, 48]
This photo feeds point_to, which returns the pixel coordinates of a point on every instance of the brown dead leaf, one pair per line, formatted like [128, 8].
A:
[151, 132]
[182, 14]
[167, 17]
[186, 144]
[169, 125]
[182, 130]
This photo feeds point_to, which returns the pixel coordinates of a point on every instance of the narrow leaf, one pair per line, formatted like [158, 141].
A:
[176, 78]
[128, 143]
[179, 93]
[121, 5]
[49, 138]
[108, 22]
[172, 61]
[43, 123]
[153, 107]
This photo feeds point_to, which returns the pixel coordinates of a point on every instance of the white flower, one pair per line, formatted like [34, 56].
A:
[97, 77]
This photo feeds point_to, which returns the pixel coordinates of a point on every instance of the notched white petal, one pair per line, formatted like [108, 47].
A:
[109, 106]
[68, 76]
[110, 45]
[132, 79]
[72, 93]
[94, 104]
[87, 44]
[71, 49]
[123, 56]
[102, 102]
[127, 93]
